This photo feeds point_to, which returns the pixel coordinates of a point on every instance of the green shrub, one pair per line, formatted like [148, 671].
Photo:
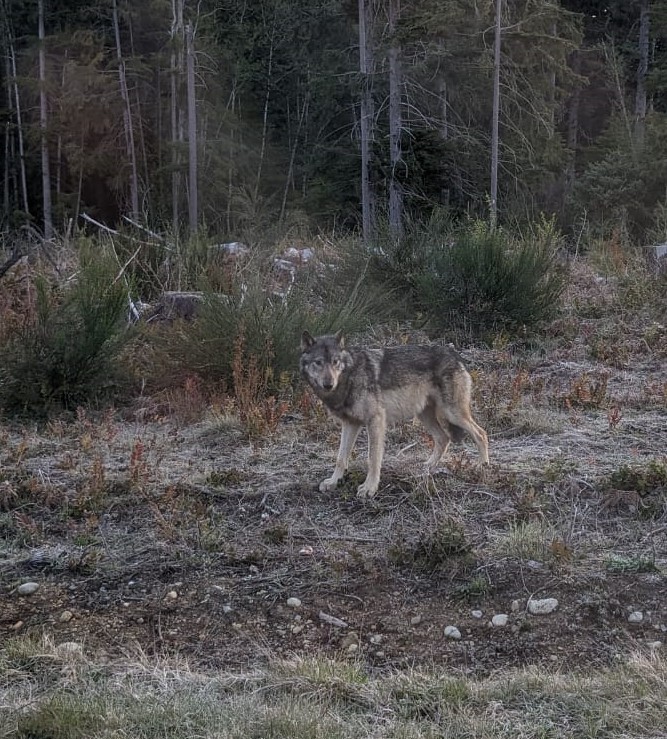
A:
[485, 279]
[68, 355]
[255, 328]
[471, 276]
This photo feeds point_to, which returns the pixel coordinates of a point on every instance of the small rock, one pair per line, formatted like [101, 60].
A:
[654, 645]
[500, 619]
[306, 551]
[18, 625]
[28, 588]
[539, 607]
[415, 620]
[376, 639]
[636, 617]
[333, 620]
[297, 628]
[171, 595]
[226, 609]
[294, 603]
[66, 616]
[350, 642]
[477, 614]
[451, 632]
[516, 606]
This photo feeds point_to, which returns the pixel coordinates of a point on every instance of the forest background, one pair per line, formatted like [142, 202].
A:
[236, 117]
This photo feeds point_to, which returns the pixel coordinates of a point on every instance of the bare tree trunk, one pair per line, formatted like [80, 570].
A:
[19, 132]
[267, 98]
[290, 169]
[444, 128]
[176, 76]
[232, 152]
[614, 64]
[8, 138]
[395, 123]
[573, 129]
[5, 174]
[444, 107]
[127, 117]
[552, 90]
[642, 70]
[138, 116]
[59, 142]
[367, 114]
[493, 214]
[43, 120]
[193, 209]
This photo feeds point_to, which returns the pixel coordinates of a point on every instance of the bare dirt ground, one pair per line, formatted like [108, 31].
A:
[186, 537]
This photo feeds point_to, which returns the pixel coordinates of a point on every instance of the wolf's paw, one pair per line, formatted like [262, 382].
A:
[366, 490]
[329, 484]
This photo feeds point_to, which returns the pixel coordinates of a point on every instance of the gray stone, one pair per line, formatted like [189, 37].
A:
[545, 605]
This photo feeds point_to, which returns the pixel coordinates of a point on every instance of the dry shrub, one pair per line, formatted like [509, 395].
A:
[259, 410]
[588, 390]
[17, 302]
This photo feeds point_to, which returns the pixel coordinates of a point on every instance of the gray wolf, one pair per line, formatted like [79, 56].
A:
[377, 387]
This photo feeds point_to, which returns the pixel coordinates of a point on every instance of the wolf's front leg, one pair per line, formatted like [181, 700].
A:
[347, 439]
[376, 432]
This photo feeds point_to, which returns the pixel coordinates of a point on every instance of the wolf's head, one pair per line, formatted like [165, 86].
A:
[323, 361]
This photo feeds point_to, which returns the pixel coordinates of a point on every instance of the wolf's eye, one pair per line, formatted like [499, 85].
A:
[318, 362]
[336, 363]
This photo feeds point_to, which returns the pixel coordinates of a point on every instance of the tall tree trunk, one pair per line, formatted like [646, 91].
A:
[615, 67]
[267, 99]
[642, 70]
[297, 136]
[139, 117]
[127, 117]
[395, 123]
[193, 210]
[573, 129]
[59, 142]
[43, 121]
[176, 110]
[552, 90]
[19, 131]
[8, 148]
[366, 115]
[495, 119]
[231, 105]
[444, 126]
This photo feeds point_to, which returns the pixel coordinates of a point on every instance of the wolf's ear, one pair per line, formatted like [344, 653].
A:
[340, 339]
[306, 341]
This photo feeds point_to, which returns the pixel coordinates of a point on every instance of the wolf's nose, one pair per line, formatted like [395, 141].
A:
[327, 385]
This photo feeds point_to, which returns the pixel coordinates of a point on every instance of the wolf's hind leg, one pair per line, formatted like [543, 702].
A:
[440, 436]
[348, 437]
[463, 418]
